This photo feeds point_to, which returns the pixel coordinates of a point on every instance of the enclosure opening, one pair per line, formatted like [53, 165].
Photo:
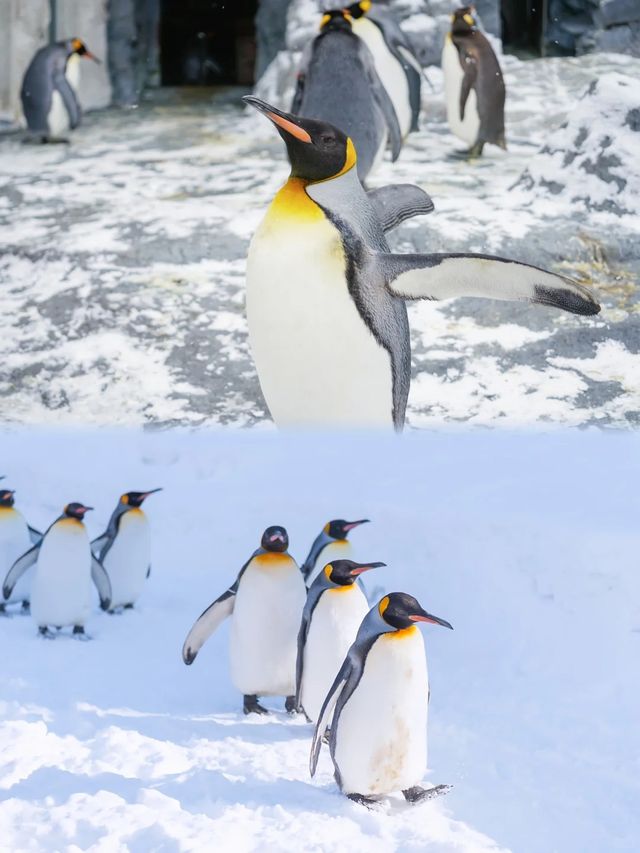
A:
[207, 42]
[523, 26]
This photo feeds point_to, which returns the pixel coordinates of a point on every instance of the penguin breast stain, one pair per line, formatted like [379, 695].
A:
[389, 759]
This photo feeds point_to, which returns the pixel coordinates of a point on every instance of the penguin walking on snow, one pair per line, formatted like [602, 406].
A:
[49, 100]
[332, 614]
[330, 339]
[378, 732]
[124, 549]
[61, 586]
[265, 603]
[16, 537]
[331, 543]
[473, 84]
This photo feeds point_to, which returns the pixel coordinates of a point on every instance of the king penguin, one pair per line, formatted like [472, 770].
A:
[331, 543]
[378, 732]
[333, 612]
[265, 603]
[473, 84]
[65, 566]
[124, 549]
[48, 95]
[16, 537]
[338, 83]
[326, 310]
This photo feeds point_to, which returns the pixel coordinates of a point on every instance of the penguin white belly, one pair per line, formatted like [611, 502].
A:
[61, 588]
[58, 118]
[338, 550]
[264, 626]
[318, 362]
[467, 128]
[14, 542]
[381, 734]
[128, 559]
[389, 70]
[334, 625]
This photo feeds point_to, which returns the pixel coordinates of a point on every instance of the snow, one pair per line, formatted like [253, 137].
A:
[526, 543]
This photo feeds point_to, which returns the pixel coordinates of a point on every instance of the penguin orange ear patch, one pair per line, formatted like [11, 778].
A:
[383, 605]
[469, 20]
[327, 570]
[125, 499]
[76, 44]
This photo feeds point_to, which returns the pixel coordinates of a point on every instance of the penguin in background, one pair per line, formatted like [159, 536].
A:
[265, 605]
[330, 339]
[332, 543]
[332, 614]
[124, 549]
[49, 101]
[378, 731]
[473, 84]
[338, 83]
[61, 592]
[16, 536]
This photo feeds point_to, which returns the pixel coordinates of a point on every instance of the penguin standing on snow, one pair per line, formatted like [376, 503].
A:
[331, 543]
[265, 604]
[16, 536]
[378, 733]
[48, 95]
[330, 339]
[473, 84]
[338, 83]
[65, 566]
[333, 612]
[124, 549]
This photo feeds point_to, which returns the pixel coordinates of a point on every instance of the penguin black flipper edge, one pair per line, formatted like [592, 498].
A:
[35, 535]
[340, 683]
[102, 583]
[313, 597]
[468, 82]
[447, 276]
[19, 568]
[397, 202]
[384, 102]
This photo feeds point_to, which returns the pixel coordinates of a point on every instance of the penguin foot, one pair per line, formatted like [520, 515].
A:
[78, 631]
[475, 150]
[369, 802]
[44, 631]
[290, 705]
[128, 607]
[417, 794]
[3, 609]
[26, 607]
[252, 706]
[57, 140]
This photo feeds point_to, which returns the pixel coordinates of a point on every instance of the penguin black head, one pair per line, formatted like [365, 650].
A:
[317, 150]
[335, 19]
[275, 538]
[6, 497]
[339, 528]
[79, 47]
[401, 611]
[135, 499]
[358, 10]
[344, 572]
[463, 21]
[76, 510]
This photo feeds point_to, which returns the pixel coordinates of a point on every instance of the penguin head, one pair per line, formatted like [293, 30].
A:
[463, 21]
[400, 610]
[358, 10]
[76, 45]
[339, 528]
[6, 497]
[133, 500]
[76, 510]
[344, 572]
[317, 150]
[275, 538]
[335, 19]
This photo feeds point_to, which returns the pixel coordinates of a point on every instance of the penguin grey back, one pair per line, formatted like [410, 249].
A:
[45, 73]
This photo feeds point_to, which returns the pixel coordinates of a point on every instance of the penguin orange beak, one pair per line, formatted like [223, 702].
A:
[351, 524]
[365, 567]
[423, 616]
[88, 55]
[82, 509]
[284, 121]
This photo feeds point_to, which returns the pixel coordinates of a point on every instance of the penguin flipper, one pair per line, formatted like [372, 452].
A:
[34, 535]
[340, 683]
[448, 276]
[313, 597]
[18, 569]
[207, 622]
[397, 202]
[384, 102]
[468, 81]
[69, 98]
[102, 583]
[99, 542]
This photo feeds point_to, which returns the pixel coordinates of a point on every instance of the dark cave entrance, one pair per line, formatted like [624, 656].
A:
[523, 26]
[207, 42]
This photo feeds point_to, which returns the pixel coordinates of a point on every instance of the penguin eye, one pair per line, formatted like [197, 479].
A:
[327, 139]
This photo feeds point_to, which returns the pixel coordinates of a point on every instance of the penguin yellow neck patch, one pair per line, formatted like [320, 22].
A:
[293, 202]
[402, 633]
[272, 559]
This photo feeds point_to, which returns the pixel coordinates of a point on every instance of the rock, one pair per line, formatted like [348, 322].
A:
[277, 84]
[271, 29]
[613, 12]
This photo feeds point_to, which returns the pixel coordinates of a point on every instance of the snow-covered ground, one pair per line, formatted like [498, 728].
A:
[122, 262]
[527, 544]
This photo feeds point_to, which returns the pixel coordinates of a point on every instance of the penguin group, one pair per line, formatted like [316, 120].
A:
[51, 574]
[356, 669]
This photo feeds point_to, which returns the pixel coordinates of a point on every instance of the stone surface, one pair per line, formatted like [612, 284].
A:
[24, 27]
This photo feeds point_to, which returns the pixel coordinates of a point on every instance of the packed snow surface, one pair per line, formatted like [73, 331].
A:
[528, 545]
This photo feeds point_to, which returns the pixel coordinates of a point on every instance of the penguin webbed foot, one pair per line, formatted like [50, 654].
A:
[475, 151]
[291, 707]
[43, 631]
[252, 706]
[362, 800]
[26, 607]
[418, 794]
[79, 634]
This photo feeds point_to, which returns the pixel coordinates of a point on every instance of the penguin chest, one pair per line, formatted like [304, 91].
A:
[334, 625]
[14, 541]
[128, 559]
[264, 627]
[58, 118]
[381, 734]
[61, 589]
[465, 129]
[338, 550]
[317, 360]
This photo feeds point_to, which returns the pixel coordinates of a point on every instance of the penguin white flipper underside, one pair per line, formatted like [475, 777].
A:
[98, 544]
[34, 535]
[102, 582]
[341, 683]
[312, 599]
[209, 620]
[447, 276]
[19, 568]
[397, 202]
